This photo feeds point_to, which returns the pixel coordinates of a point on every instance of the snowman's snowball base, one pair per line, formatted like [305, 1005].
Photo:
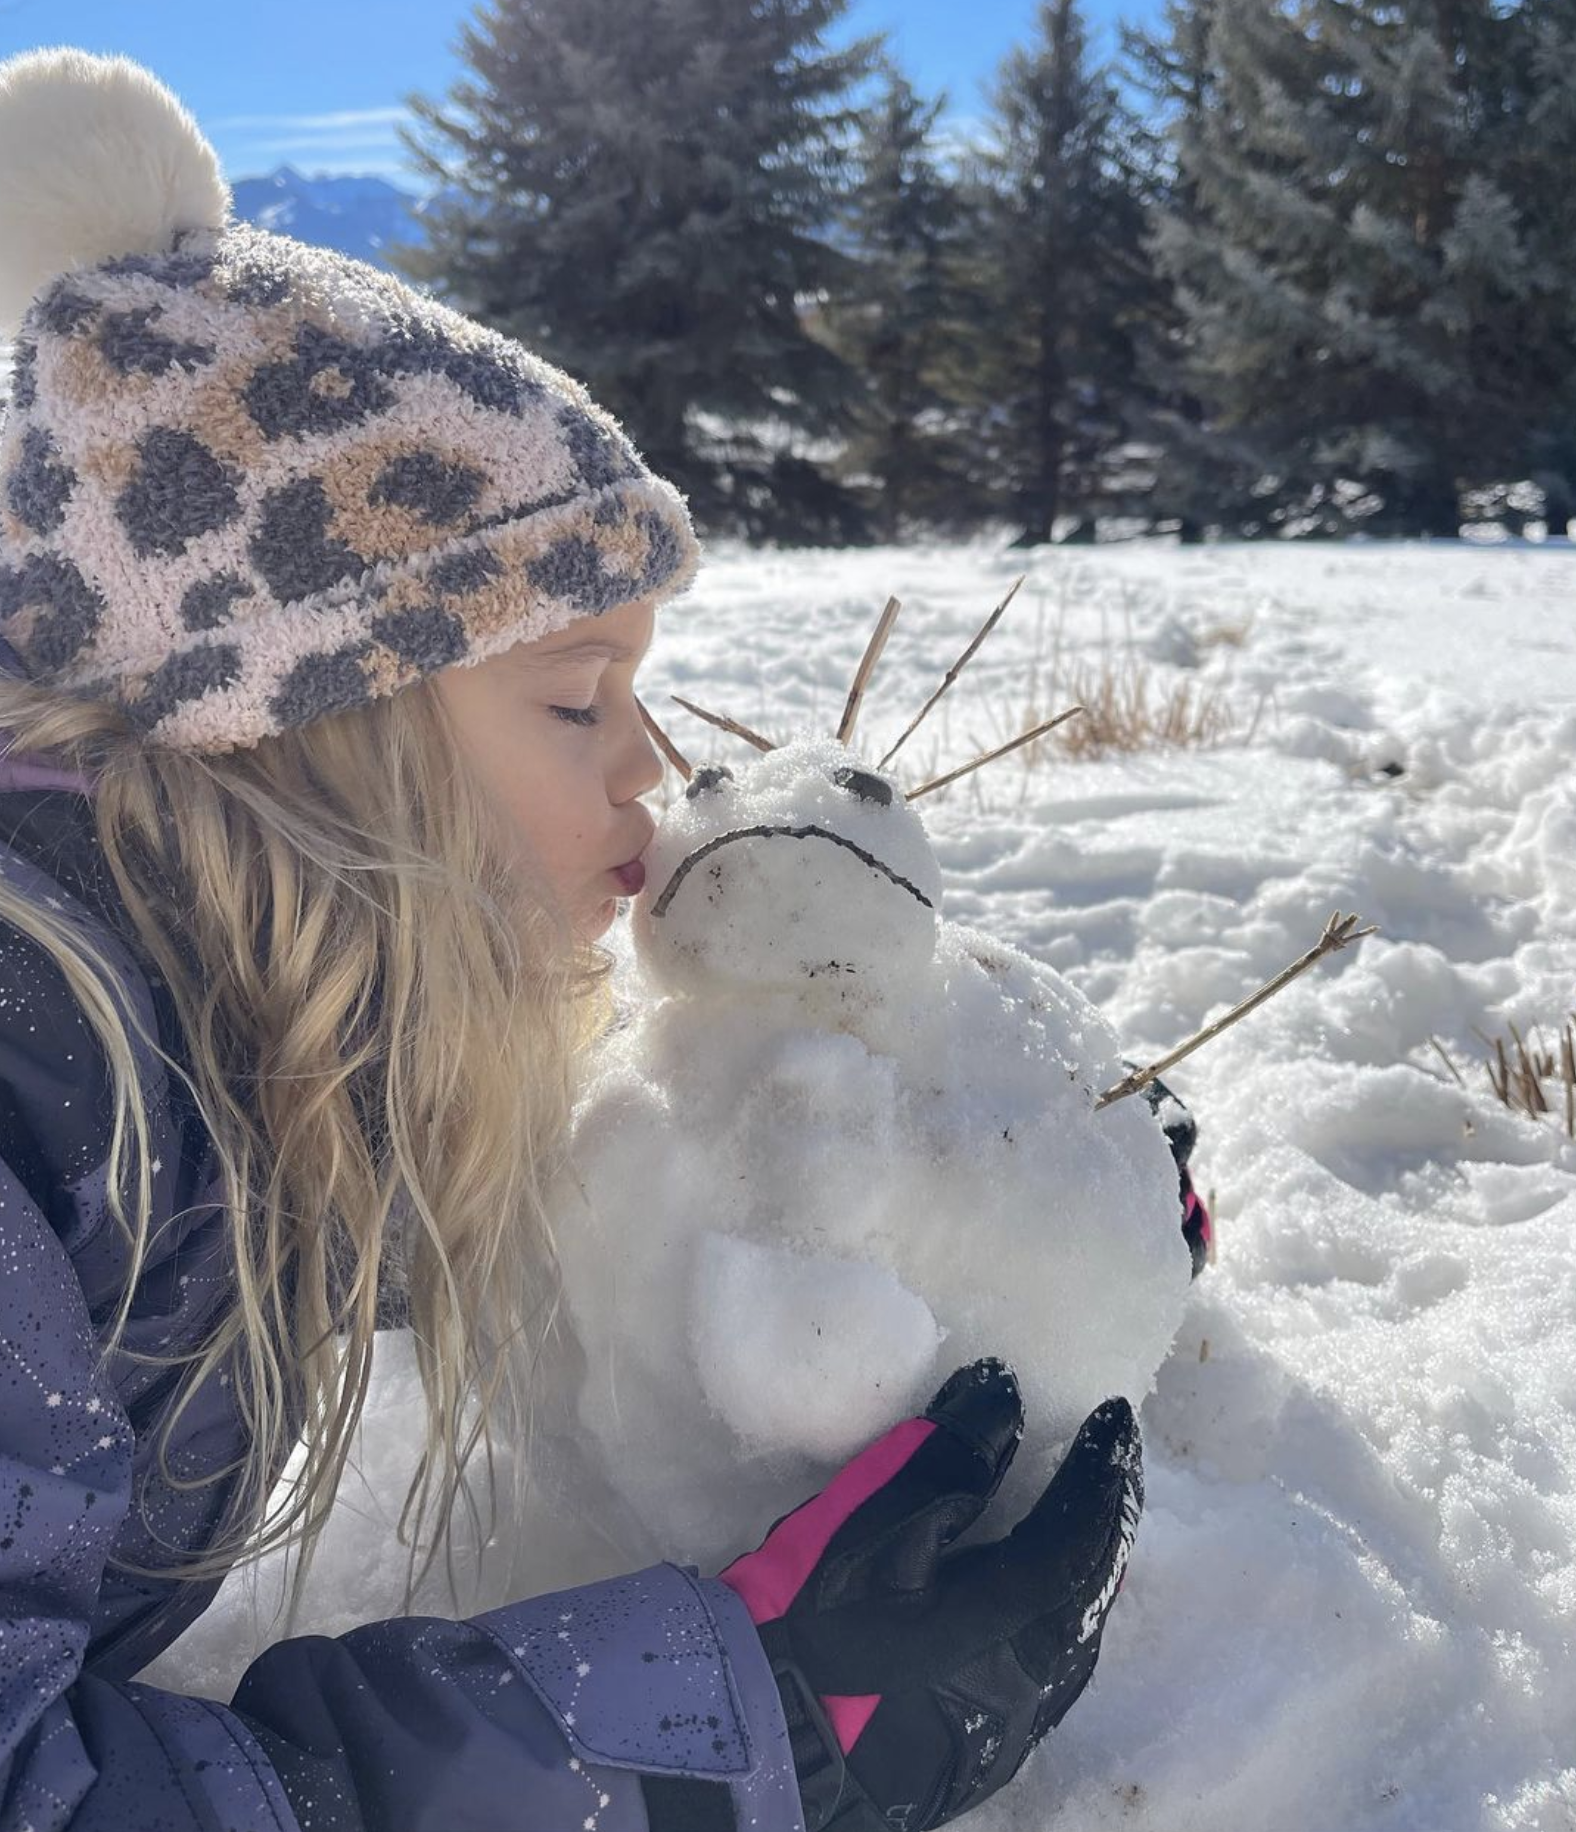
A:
[786, 1233]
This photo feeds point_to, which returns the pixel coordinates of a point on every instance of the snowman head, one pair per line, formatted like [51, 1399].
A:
[803, 871]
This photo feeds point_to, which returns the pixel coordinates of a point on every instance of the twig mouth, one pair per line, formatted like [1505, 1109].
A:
[686, 865]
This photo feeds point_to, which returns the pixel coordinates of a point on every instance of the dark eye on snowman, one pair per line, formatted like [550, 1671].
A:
[706, 780]
[867, 787]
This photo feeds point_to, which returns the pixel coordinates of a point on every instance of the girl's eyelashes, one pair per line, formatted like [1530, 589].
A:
[582, 715]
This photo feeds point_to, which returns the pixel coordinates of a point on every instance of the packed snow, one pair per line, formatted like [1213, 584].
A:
[1352, 1604]
[837, 1141]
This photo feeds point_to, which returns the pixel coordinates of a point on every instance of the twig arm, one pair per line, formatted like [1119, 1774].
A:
[1339, 932]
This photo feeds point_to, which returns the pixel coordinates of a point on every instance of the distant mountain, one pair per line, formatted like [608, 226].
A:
[358, 215]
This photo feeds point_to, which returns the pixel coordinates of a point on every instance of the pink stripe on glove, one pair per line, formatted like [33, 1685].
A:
[769, 1578]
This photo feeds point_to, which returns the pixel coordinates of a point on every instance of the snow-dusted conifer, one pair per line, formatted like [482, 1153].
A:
[1363, 298]
[1060, 259]
[1543, 167]
[1203, 474]
[641, 194]
[907, 321]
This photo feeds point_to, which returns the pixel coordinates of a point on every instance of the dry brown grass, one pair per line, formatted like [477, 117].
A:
[1537, 1079]
[1126, 710]
[1228, 633]
[1130, 705]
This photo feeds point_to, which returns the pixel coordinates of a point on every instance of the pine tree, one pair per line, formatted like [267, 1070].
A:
[1061, 264]
[1538, 176]
[1204, 475]
[1364, 304]
[904, 322]
[639, 194]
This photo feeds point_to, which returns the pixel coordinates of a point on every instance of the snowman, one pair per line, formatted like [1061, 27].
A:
[838, 1146]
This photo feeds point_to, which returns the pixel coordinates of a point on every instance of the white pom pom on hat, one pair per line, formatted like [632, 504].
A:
[98, 159]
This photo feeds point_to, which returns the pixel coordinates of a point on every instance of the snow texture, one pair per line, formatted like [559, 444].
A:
[836, 1133]
[1351, 1605]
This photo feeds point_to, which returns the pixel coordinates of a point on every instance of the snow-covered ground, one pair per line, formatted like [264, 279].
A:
[1353, 1600]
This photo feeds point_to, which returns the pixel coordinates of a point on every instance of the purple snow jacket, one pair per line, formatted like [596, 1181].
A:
[641, 1704]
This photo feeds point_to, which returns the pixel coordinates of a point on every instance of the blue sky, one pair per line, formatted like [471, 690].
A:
[319, 83]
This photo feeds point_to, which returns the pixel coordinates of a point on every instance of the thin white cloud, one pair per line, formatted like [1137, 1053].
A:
[285, 124]
[297, 150]
[347, 140]
[342, 144]
[958, 127]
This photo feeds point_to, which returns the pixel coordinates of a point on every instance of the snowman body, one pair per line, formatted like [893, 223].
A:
[839, 1147]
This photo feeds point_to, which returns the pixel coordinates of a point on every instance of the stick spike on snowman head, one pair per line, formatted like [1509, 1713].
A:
[724, 723]
[856, 693]
[1001, 750]
[664, 743]
[954, 671]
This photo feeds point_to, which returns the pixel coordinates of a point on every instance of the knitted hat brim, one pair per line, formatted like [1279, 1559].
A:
[451, 605]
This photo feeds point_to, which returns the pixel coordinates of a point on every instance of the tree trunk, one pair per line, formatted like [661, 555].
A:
[1422, 503]
[1559, 502]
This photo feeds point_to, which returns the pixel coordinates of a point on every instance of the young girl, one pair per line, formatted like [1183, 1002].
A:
[322, 611]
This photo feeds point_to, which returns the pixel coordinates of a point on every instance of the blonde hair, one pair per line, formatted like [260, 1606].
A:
[382, 1017]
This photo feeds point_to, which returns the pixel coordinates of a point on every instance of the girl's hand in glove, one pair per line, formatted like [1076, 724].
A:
[917, 1679]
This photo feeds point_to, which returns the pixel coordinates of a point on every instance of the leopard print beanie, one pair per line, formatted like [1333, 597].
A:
[246, 482]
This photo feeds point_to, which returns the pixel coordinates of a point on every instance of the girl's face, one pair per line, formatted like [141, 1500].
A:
[552, 729]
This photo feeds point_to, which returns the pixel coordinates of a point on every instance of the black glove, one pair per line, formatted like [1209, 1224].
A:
[1181, 1131]
[916, 1680]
